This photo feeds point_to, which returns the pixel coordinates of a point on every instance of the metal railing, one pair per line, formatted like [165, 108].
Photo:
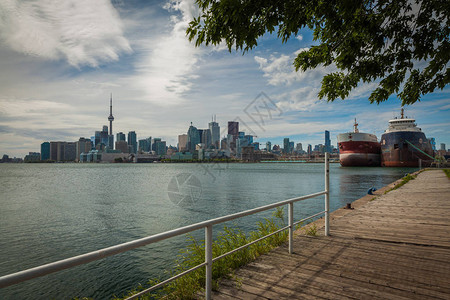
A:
[43, 270]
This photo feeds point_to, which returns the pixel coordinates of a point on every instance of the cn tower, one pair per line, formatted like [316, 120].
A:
[110, 118]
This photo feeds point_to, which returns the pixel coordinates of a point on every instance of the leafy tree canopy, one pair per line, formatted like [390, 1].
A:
[402, 44]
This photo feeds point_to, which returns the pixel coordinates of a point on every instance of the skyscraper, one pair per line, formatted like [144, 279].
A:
[233, 129]
[45, 151]
[269, 146]
[215, 133]
[286, 146]
[193, 138]
[82, 146]
[132, 141]
[121, 136]
[327, 142]
[182, 142]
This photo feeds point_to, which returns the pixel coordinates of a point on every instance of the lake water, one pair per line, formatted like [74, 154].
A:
[50, 212]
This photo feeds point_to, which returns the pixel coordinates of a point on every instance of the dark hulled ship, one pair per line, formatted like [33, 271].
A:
[404, 144]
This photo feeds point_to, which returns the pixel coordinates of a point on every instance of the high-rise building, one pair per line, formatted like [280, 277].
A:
[327, 142]
[155, 140]
[182, 142]
[269, 146]
[215, 133]
[45, 151]
[70, 151]
[309, 151]
[233, 129]
[82, 146]
[193, 138]
[160, 147]
[299, 148]
[102, 137]
[249, 138]
[442, 146]
[132, 141]
[121, 136]
[145, 145]
[291, 147]
[286, 147]
[122, 146]
[206, 137]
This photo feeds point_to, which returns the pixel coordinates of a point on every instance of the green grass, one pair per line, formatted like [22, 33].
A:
[405, 179]
[193, 284]
[447, 172]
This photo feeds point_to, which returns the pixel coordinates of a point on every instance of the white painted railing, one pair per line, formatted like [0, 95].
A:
[25, 275]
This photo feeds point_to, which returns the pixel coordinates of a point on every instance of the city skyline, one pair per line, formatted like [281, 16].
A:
[57, 76]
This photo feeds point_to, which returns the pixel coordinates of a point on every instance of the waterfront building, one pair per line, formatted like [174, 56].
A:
[145, 145]
[32, 157]
[309, 151]
[160, 147]
[442, 146]
[182, 142]
[54, 151]
[327, 142]
[121, 136]
[255, 145]
[132, 142]
[233, 129]
[193, 138]
[45, 151]
[268, 146]
[82, 146]
[182, 156]
[70, 151]
[249, 138]
[122, 146]
[214, 128]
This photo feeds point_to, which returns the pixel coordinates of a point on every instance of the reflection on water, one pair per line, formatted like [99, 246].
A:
[54, 211]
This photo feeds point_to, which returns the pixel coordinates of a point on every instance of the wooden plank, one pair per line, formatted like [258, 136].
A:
[395, 247]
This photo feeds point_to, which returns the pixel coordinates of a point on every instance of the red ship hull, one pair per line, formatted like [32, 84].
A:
[359, 154]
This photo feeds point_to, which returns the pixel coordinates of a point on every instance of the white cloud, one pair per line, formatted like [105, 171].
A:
[166, 71]
[83, 32]
[299, 37]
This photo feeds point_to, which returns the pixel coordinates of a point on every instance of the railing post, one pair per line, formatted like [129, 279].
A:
[327, 195]
[208, 260]
[291, 226]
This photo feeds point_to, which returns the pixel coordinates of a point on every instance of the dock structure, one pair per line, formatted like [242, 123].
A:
[388, 246]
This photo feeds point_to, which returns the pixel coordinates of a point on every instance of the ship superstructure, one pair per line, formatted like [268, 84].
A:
[403, 144]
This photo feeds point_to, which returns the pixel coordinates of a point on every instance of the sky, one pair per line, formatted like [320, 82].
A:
[61, 60]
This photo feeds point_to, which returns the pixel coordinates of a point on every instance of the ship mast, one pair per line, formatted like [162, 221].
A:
[355, 127]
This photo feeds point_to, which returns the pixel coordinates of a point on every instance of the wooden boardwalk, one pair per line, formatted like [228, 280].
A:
[396, 246]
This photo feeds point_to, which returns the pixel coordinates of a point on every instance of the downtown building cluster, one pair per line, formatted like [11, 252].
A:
[196, 144]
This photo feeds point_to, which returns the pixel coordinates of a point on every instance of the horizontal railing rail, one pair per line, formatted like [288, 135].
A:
[46, 269]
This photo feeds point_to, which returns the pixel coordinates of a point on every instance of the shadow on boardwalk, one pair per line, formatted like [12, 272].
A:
[396, 246]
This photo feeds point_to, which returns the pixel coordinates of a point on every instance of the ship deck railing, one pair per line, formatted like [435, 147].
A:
[46, 269]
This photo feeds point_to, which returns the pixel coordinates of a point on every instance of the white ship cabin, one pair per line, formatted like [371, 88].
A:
[402, 124]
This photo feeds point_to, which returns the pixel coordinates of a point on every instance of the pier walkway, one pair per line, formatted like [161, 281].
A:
[396, 246]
